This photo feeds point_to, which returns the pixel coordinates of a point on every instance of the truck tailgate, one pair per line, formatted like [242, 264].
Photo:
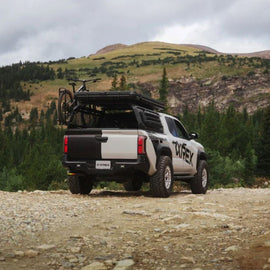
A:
[107, 144]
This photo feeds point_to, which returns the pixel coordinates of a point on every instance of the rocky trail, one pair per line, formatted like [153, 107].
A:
[224, 229]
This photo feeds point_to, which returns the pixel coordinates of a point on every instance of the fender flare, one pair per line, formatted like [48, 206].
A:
[163, 150]
[201, 155]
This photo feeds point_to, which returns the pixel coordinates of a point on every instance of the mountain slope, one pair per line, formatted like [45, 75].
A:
[197, 75]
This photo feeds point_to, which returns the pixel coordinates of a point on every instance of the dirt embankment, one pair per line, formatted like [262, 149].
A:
[224, 229]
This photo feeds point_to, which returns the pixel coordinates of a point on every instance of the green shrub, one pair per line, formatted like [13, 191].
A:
[224, 170]
[56, 185]
[10, 180]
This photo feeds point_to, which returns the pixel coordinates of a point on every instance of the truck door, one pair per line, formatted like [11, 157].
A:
[184, 154]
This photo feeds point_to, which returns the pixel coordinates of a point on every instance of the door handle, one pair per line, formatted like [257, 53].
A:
[101, 139]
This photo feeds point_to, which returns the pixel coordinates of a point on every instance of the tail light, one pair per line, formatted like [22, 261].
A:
[141, 145]
[65, 144]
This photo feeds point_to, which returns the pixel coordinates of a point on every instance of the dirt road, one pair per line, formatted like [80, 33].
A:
[224, 229]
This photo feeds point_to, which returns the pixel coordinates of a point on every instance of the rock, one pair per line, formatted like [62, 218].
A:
[136, 213]
[11, 255]
[109, 263]
[31, 253]
[46, 247]
[266, 267]
[75, 249]
[232, 248]
[2, 259]
[266, 244]
[124, 264]
[66, 265]
[182, 226]
[82, 259]
[19, 253]
[103, 243]
[71, 258]
[187, 259]
[212, 215]
[172, 218]
[95, 266]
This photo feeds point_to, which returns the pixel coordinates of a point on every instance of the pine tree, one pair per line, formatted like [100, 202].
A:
[114, 82]
[163, 88]
[33, 116]
[263, 148]
[210, 127]
[60, 74]
[250, 164]
[123, 83]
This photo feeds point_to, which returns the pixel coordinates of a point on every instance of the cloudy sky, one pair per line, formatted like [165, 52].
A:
[42, 30]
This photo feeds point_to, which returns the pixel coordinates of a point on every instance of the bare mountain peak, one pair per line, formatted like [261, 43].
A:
[262, 54]
[201, 47]
[110, 48]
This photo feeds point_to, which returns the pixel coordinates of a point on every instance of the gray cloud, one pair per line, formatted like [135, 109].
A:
[40, 30]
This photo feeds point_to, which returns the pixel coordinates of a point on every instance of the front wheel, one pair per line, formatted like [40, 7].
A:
[199, 183]
[161, 183]
[65, 106]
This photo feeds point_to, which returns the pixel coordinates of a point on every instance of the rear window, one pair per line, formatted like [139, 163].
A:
[112, 119]
[125, 120]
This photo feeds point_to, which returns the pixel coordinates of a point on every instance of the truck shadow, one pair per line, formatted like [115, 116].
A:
[119, 193]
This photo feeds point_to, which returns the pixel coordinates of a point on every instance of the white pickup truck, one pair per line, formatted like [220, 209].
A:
[127, 140]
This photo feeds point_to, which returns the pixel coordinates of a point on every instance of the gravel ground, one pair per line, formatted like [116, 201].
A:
[224, 229]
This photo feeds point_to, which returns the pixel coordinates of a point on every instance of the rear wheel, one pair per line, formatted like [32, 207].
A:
[65, 106]
[161, 183]
[79, 184]
[199, 183]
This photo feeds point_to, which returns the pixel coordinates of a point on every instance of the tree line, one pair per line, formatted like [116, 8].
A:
[238, 144]
[12, 76]
[30, 158]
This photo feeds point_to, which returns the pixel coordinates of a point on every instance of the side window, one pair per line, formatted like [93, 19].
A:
[172, 127]
[175, 128]
[181, 130]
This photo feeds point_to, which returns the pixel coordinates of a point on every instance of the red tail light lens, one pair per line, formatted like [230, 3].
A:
[65, 144]
[141, 145]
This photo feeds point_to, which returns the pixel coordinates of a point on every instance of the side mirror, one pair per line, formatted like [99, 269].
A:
[193, 135]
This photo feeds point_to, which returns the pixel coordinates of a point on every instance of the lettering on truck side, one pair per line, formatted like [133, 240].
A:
[183, 152]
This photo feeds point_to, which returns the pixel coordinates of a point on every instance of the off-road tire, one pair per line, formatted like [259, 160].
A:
[133, 184]
[161, 183]
[64, 106]
[79, 184]
[199, 183]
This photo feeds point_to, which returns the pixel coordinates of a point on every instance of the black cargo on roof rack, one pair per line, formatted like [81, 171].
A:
[118, 99]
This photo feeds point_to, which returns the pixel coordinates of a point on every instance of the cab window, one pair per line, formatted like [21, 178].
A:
[176, 128]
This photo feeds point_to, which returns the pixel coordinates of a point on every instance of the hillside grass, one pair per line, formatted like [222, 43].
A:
[133, 58]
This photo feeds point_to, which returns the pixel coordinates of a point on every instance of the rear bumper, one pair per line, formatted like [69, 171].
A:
[117, 168]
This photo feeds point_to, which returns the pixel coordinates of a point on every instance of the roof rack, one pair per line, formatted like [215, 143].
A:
[119, 100]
